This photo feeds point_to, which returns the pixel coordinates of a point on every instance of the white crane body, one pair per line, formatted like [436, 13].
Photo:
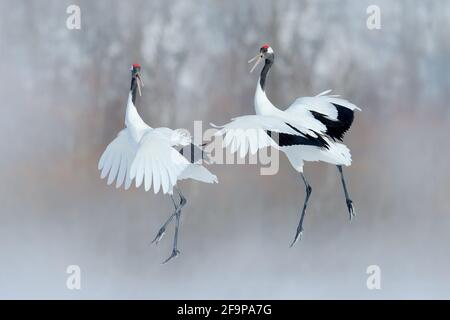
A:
[149, 157]
[308, 130]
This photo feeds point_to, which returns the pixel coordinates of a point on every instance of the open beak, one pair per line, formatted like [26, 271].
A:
[258, 59]
[139, 82]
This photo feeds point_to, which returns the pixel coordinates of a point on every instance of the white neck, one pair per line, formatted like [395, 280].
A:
[133, 120]
[263, 106]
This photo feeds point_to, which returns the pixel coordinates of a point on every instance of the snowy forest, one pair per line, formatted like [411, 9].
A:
[63, 96]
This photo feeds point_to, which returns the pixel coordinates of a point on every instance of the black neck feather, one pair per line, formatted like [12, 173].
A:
[133, 89]
[265, 70]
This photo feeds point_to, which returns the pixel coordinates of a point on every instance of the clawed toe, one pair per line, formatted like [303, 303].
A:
[175, 253]
[351, 209]
[159, 236]
[298, 236]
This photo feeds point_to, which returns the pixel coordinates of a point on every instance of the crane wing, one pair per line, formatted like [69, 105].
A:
[254, 132]
[116, 159]
[157, 162]
[198, 172]
[177, 137]
[325, 114]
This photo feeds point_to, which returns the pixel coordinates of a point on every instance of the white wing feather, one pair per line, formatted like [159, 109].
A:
[300, 110]
[341, 102]
[248, 133]
[157, 163]
[198, 172]
[177, 137]
[116, 159]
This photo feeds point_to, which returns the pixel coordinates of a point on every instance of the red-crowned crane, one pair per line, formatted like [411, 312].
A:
[308, 130]
[149, 156]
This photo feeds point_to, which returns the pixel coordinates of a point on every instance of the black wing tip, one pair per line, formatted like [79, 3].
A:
[336, 129]
[287, 140]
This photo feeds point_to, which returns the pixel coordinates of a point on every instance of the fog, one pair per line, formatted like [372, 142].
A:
[63, 100]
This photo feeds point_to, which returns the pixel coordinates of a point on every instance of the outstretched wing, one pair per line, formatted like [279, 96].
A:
[198, 172]
[157, 162]
[116, 159]
[253, 132]
[326, 114]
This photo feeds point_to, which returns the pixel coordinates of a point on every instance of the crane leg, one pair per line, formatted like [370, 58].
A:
[299, 233]
[175, 251]
[162, 230]
[348, 201]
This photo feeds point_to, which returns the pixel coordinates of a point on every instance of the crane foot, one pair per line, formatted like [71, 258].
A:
[175, 253]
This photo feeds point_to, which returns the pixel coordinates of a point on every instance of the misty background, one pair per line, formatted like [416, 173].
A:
[63, 96]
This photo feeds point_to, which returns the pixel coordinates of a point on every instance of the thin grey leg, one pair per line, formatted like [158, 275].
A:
[348, 201]
[299, 233]
[175, 251]
[162, 230]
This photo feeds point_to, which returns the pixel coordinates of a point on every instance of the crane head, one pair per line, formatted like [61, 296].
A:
[266, 52]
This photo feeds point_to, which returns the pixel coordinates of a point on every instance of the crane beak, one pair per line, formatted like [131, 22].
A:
[258, 59]
[140, 83]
